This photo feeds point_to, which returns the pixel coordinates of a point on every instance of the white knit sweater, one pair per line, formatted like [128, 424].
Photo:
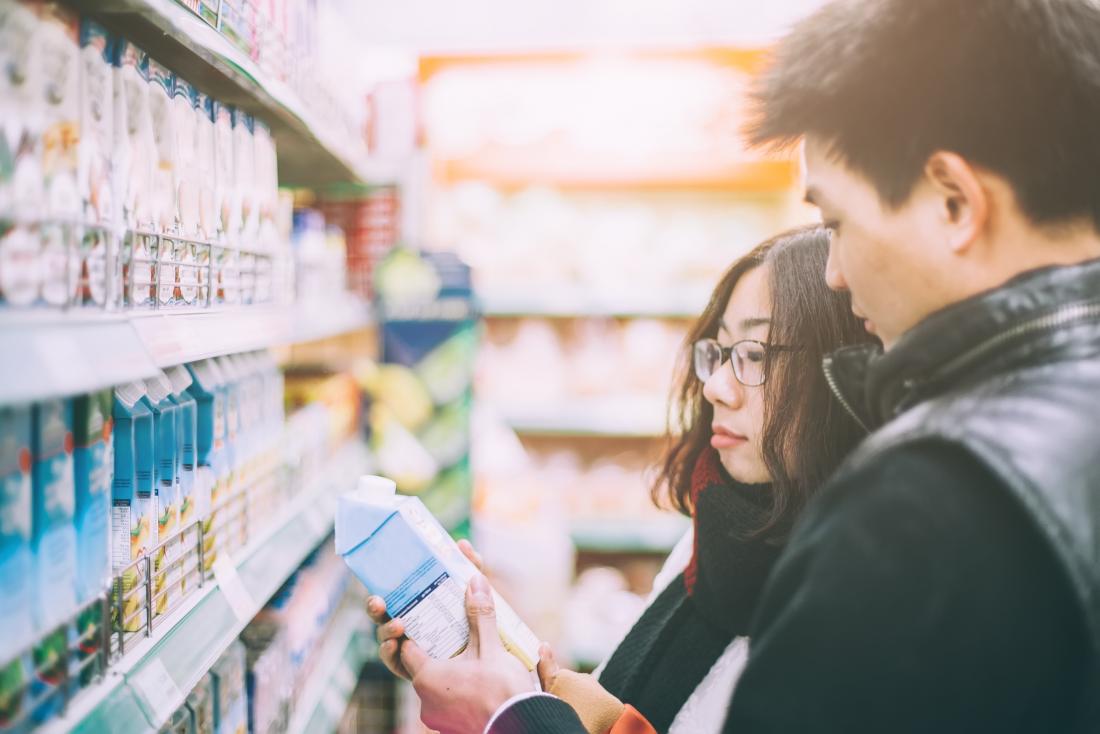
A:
[705, 710]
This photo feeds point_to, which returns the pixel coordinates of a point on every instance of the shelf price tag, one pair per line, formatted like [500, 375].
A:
[232, 588]
[158, 689]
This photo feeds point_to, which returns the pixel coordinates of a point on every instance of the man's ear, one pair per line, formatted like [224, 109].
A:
[963, 200]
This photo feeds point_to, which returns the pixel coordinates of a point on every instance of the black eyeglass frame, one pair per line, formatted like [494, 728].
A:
[726, 355]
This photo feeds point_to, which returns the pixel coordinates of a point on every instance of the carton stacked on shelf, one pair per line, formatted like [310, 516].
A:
[104, 500]
[112, 174]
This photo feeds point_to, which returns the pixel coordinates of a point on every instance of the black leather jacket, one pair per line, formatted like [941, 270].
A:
[1013, 376]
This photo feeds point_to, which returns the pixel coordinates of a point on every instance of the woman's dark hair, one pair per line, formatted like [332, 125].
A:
[806, 432]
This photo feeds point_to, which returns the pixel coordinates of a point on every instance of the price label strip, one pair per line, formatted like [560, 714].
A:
[229, 582]
[158, 689]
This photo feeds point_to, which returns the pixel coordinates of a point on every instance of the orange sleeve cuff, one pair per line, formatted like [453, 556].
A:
[631, 722]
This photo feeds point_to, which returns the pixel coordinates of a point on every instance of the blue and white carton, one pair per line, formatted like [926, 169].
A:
[401, 553]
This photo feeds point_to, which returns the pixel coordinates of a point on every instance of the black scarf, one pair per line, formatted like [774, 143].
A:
[690, 624]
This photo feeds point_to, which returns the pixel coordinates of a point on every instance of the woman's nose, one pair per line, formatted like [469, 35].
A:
[723, 387]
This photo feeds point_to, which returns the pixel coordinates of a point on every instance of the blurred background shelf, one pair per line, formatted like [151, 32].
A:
[310, 153]
[658, 535]
[154, 678]
[62, 354]
[565, 302]
[348, 647]
[626, 417]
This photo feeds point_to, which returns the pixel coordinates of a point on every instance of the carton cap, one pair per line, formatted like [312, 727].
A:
[376, 489]
[180, 378]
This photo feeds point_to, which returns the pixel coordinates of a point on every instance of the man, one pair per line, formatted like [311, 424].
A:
[948, 579]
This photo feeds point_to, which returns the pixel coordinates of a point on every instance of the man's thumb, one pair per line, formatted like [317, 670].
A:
[482, 616]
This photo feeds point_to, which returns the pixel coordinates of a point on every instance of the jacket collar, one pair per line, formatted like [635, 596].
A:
[1015, 325]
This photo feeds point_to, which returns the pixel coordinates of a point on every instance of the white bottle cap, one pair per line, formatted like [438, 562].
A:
[376, 489]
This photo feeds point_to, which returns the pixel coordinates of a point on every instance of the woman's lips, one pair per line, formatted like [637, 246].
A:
[723, 438]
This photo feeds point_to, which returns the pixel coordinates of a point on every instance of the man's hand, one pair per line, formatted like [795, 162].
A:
[391, 632]
[460, 696]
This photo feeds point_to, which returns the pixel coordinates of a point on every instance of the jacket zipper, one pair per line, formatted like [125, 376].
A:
[830, 378]
[1082, 311]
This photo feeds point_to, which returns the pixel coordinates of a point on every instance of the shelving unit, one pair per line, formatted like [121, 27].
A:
[347, 649]
[310, 154]
[571, 302]
[71, 353]
[617, 417]
[154, 677]
[657, 536]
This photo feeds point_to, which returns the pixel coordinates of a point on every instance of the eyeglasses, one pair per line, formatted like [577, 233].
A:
[748, 358]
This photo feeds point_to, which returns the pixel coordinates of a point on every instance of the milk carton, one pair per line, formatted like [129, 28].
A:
[16, 558]
[233, 525]
[54, 506]
[244, 166]
[59, 54]
[185, 125]
[161, 87]
[211, 476]
[402, 554]
[133, 498]
[227, 205]
[136, 159]
[98, 280]
[158, 398]
[93, 460]
[17, 562]
[186, 430]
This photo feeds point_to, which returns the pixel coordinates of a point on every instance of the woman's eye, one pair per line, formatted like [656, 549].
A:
[754, 356]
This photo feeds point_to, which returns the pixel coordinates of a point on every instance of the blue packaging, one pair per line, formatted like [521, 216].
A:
[158, 398]
[133, 499]
[16, 557]
[93, 460]
[54, 533]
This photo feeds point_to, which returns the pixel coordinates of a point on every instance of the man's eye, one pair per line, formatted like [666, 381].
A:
[832, 226]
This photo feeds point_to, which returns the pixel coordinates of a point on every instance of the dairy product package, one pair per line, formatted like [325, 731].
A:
[98, 278]
[233, 525]
[165, 171]
[16, 562]
[185, 124]
[211, 475]
[16, 558]
[22, 193]
[244, 168]
[158, 398]
[186, 429]
[93, 461]
[136, 160]
[227, 206]
[59, 54]
[54, 505]
[133, 498]
[402, 554]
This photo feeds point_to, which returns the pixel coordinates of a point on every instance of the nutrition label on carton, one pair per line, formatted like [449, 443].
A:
[429, 617]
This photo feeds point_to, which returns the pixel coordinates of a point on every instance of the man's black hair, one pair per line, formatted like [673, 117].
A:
[1010, 85]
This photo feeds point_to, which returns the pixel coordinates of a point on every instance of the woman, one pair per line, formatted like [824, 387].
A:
[756, 438]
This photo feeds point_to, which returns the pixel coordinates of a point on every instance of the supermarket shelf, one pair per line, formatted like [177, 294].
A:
[50, 354]
[514, 169]
[308, 154]
[568, 302]
[153, 680]
[618, 536]
[348, 647]
[619, 417]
